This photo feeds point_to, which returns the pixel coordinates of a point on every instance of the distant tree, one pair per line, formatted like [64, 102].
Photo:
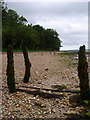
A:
[40, 31]
[22, 20]
[15, 30]
[38, 28]
[4, 8]
[51, 40]
[9, 26]
[13, 18]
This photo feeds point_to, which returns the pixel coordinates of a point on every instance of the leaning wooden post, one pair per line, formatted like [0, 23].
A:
[83, 73]
[10, 70]
[27, 65]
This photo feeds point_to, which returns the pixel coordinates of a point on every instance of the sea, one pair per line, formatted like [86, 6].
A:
[76, 50]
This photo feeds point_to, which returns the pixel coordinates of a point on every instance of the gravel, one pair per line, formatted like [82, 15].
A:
[47, 70]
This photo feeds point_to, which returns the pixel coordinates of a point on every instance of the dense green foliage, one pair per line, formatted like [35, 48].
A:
[15, 31]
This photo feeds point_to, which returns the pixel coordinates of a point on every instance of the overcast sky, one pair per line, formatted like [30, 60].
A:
[69, 19]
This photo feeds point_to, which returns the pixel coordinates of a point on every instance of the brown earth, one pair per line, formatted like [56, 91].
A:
[48, 69]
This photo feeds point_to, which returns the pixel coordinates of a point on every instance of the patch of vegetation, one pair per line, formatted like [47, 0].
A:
[38, 103]
[59, 87]
[59, 60]
[75, 90]
[69, 58]
[86, 101]
[88, 114]
[71, 62]
[16, 83]
[63, 54]
[63, 86]
[76, 100]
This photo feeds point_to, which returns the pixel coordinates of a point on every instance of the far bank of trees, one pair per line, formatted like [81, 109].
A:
[15, 31]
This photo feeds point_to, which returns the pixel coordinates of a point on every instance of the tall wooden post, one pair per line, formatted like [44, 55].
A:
[83, 73]
[10, 70]
[27, 65]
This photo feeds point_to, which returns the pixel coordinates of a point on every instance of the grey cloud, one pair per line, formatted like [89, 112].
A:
[52, 9]
[68, 19]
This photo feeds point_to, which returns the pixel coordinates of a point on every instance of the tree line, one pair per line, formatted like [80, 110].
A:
[15, 31]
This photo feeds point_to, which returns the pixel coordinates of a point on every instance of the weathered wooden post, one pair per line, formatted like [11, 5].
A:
[83, 73]
[10, 70]
[27, 65]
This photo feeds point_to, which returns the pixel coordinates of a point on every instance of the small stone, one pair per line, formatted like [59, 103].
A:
[38, 103]
[45, 77]
[57, 101]
[17, 105]
[69, 93]
[40, 116]
[33, 98]
[7, 106]
[29, 108]
[46, 112]
[49, 109]
[9, 113]
[53, 110]
[37, 96]
[21, 116]
[80, 111]
[44, 108]
[36, 72]
[74, 105]
[35, 53]
[17, 109]
[7, 97]
[70, 113]
[39, 83]
[43, 105]
[12, 116]
[62, 106]
[18, 94]
[46, 69]
[38, 113]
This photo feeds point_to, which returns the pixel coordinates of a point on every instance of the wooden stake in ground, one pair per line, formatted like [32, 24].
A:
[10, 70]
[27, 65]
[83, 73]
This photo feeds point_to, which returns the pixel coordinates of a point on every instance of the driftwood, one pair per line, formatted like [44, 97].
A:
[42, 94]
[52, 90]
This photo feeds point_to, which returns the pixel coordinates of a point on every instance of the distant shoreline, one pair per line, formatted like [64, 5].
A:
[87, 50]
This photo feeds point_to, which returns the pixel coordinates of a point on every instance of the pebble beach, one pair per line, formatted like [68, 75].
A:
[48, 70]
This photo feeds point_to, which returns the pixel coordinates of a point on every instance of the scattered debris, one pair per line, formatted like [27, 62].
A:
[46, 69]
